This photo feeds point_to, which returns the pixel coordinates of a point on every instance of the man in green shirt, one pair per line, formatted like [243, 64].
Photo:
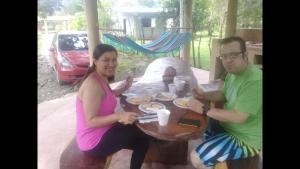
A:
[239, 132]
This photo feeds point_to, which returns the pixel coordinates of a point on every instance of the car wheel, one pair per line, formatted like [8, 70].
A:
[60, 82]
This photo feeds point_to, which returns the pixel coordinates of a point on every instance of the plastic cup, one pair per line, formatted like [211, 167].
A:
[179, 84]
[163, 117]
[172, 88]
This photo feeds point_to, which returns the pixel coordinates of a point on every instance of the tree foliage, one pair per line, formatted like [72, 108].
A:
[79, 21]
[71, 7]
[200, 14]
[148, 3]
[217, 16]
[48, 7]
[105, 13]
[249, 14]
[171, 9]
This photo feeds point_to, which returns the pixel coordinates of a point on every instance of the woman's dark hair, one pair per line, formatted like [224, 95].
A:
[97, 53]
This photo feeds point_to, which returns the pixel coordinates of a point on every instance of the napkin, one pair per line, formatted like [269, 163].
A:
[148, 120]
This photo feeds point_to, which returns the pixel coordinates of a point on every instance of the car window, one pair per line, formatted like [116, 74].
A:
[73, 42]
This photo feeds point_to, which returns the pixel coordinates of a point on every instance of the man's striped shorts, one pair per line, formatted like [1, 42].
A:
[223, 147]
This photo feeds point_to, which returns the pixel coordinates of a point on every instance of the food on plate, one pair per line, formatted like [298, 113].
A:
[183, 102]
[153, 105]
[164, 96]
[139, 99]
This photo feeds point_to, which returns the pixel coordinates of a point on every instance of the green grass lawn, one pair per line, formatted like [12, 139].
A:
[204, 54]
[131, 63]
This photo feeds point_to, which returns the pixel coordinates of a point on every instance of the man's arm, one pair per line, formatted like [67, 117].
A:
[215, 96]
[231, 116]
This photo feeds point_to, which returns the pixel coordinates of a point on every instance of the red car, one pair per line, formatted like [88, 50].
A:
[68, 55]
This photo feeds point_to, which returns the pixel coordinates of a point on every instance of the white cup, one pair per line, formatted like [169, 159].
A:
[172, 88]
[179, 84]
[163, 116]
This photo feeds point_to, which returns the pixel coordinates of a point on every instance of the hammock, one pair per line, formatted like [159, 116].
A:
[168, 42]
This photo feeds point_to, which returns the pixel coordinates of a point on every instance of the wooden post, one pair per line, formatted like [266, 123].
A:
[216, 67]
[231, 18]
[92, 26]
[186, 22]
[124, 26]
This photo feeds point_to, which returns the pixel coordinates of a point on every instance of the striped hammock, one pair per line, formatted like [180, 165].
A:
[168, 42]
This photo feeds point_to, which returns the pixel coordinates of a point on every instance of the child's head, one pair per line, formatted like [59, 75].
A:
[169, 74]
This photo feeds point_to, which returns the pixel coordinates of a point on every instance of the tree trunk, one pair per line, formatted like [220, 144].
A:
[198, 54]
[209, 42]
[194, 61]
[209, 34]
[222, 25]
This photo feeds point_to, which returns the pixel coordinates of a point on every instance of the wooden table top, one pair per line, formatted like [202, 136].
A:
[172, 131]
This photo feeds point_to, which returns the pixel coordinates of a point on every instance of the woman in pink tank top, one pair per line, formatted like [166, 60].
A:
[100, 131]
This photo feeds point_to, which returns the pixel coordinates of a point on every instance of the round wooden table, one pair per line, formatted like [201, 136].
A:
[172, 131]
[177, 135]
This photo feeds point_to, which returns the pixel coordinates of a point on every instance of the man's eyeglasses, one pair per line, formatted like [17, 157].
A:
[230, 56]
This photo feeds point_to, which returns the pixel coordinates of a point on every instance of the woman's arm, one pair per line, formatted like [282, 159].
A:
[91, 98]
[124, 86]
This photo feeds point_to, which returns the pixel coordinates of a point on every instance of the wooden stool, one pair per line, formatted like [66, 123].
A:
[247, 163]
[169, 152]
[222, 165]
[73, 158]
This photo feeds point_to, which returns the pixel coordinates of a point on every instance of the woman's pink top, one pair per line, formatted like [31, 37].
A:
[87, 138]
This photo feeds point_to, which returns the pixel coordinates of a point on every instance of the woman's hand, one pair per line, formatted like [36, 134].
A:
[195, 105]
[127, 117]
[128, 82]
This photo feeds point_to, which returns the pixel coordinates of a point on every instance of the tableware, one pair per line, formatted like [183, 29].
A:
[163, 116]
[151, 107]
[181, 102]
[172, 88]
[138, 99]
[144, 117]
[128, 94]
[165, 96]
[179, 84]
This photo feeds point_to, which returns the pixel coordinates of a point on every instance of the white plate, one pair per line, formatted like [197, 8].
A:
[151, 107]
[128, 94]
[138, 99]
[181, 105]
[165, 96]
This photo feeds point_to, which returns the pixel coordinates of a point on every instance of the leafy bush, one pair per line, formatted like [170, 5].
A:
[79, 22]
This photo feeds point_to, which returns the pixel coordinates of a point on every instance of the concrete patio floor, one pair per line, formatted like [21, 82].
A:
[56, 127]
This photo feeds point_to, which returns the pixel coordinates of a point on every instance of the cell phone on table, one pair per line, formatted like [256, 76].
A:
[189, 122]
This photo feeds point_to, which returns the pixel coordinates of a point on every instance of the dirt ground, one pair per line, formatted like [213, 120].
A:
[48, 88]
